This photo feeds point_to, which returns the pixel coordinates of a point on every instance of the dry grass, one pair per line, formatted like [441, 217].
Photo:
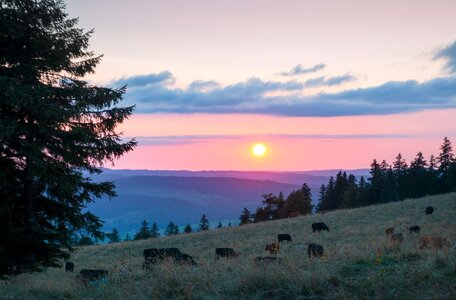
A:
[359, 261]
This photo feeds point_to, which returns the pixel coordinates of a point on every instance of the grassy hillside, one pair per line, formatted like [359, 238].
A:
[350, 267]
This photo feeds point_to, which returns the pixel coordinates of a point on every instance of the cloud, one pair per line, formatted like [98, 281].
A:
[255, 96]
[299, 69]
[331, 81]
[449, 54]
[145, 80]
[192, 139]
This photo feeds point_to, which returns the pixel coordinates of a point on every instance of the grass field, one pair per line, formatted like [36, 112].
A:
[357, 262]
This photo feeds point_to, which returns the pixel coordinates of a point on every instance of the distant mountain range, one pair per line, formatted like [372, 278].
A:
[183, 196]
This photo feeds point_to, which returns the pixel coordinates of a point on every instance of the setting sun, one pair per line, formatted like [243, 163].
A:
[259, 149]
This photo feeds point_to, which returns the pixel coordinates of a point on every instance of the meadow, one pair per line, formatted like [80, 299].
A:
[358, 261]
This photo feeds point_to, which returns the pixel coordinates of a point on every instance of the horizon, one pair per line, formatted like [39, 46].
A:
[321, 85]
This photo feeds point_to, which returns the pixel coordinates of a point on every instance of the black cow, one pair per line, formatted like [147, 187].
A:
[267, 260]
[284, 237]
[315, 250]
[154, 256]
[397, 237]
[429, 210]
[415, 228]
[88, 275]
[69, 266]
[319, 227]
[225, 252]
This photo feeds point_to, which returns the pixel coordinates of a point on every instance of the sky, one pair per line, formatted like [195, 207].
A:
[322, 84]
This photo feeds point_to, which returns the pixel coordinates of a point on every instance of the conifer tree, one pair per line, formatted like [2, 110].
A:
[154, 231]
[246, 217]
[299, 200]
[113, 236]
[144, 232]
[171, 229]
[418, 177]
[204, 223]
[220, 225]
[445, 160]
[127, 238]
[188, 228]
[400, 169]
[55, 130]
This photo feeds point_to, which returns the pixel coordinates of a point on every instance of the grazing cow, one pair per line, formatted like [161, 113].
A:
[433, 242]
[88, 275]
[225, 252]
[429, 210]
[284, 237]
[154, 256]
[294, 214]
[389, 231]
[267, 260]
[273, 248]
[415, 228]
[397, 237]
[69, 266]
[315, 250]
[319, 227]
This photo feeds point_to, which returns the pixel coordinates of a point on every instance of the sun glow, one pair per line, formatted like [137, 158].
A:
[259, 149]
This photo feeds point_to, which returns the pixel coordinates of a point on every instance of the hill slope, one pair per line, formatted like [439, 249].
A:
[181, 199]
[350, 267]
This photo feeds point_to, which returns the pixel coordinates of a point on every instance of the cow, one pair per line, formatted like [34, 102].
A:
[272, 248]
[267, 260]
[319, 227]
[433, 242]
[429, 210]
[315, 250]
[89, 275]
[389, 231]
[415, 228]
[294, 214]
[284, 237]
[69, 266]
[225, 252]
[154, 256]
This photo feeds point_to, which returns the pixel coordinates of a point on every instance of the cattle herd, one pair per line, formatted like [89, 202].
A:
[154, 256]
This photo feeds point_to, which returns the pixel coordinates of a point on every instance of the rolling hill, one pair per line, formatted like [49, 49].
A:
[359, 261]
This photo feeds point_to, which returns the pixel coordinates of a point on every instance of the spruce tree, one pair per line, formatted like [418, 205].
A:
[154, 231]
[113, 236]
[144, 232]
[400, 170]
[204, 223]
[171, 229]
[220, 225]
[55, 130]
[188, 228]
[445, 160]
[418, 177]
[246, 217]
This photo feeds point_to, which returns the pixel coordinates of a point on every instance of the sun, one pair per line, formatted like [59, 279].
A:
[259, 149]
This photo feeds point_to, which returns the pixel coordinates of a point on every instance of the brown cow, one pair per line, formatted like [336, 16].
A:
[389, 231]
[273, 248]
[294, 214]
[433, 242]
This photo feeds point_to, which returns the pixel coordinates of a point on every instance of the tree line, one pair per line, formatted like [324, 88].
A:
[392, 182]
[277, 207]
[146, 232]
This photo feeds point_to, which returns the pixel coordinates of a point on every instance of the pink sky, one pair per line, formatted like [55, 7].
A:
[211, 78]
[224, 142]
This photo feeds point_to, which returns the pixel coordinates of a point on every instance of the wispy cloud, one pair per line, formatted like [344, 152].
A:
[145, 80]
[192, 139]
[299, 69]
[449, 54]
[329, 81]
